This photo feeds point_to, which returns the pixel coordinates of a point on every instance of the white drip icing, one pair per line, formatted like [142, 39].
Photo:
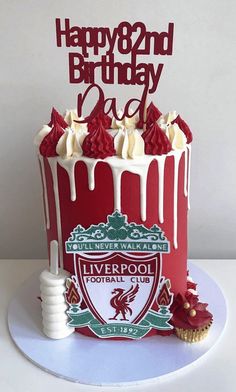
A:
[189, 167]
[52, 288]
[45, 193]
[139, 166]
[177, 157]
[161, 167]
[185, 172]
[53, 165]
[91, 169]
[69, 166]
[116, 173]
[132, 167]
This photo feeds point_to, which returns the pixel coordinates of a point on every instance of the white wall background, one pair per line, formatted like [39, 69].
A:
[199, 80]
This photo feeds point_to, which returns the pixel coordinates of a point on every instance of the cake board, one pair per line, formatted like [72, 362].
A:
[92, 361]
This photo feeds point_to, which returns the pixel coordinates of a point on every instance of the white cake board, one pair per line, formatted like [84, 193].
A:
[101, 362]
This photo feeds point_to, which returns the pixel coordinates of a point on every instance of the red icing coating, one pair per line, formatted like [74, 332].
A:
[48, 145]
[101, 118]
[92, 207]
[98, 143]
[181, 317]
[184, 128]
[156, 141]
[56, 118]
[153, 113]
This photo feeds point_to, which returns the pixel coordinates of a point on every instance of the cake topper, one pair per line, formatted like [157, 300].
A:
[132, 41]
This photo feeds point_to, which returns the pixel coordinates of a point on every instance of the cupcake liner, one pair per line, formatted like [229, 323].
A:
[193, 335]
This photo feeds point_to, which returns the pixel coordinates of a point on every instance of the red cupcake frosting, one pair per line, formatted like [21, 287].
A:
[100, 118]
[184, 128]
[189, 313]
[153, 114]
[98, 143]
[156, 141]
[191, 285]
[56, 118]
[48, 145]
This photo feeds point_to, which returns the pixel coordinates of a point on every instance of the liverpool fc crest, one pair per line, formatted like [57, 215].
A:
[117, 289]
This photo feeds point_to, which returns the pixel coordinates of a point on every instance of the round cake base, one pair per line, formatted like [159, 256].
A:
[104, 362]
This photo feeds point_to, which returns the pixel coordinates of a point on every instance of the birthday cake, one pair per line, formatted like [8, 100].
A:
[116, 197]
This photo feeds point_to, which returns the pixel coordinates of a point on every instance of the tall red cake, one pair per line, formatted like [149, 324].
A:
[116, 196]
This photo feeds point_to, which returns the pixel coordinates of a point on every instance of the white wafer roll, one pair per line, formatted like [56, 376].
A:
[54, 316]
[54, 305]
[63, 333]
[54, 290]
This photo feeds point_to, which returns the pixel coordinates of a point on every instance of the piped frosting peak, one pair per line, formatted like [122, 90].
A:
[72, 119]
[48, 145]
[98, 144]
[126, 122]
[163, 133]
[100, 118]
[56, 118]
[70, 143]
[184, 128]
[129, 143]
[156, 141]
[153, 114]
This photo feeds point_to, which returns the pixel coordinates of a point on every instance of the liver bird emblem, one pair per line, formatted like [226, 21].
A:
[121, 300]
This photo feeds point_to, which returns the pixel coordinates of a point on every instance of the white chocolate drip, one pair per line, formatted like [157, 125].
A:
[90, 170]
[142, 171]
[118, 166]
[161, 168]
[185, 172]
[116, 173]
[177, 157]
[53, 165]
[69, 166]
[52, 288]
[45, 193]
[189, 167]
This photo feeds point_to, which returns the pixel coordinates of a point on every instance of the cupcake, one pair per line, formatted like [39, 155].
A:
[191, 318]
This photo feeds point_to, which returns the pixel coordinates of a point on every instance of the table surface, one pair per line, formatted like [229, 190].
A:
[215, 372]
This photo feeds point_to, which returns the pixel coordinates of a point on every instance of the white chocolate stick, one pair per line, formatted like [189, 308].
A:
[54, 257]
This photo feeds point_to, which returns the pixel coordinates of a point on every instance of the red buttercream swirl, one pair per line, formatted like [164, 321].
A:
[48, 145]
[182, 317]
[100, 118]
[153, 113]
[156, 141]
[56, 118]
[98, 143]
[184, 128]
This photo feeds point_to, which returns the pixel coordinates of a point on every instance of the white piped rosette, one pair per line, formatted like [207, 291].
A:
[54, 306]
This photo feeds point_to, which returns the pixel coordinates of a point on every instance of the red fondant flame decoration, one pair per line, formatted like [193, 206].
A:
[131, 40]
[72, 295]
[164, 298]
